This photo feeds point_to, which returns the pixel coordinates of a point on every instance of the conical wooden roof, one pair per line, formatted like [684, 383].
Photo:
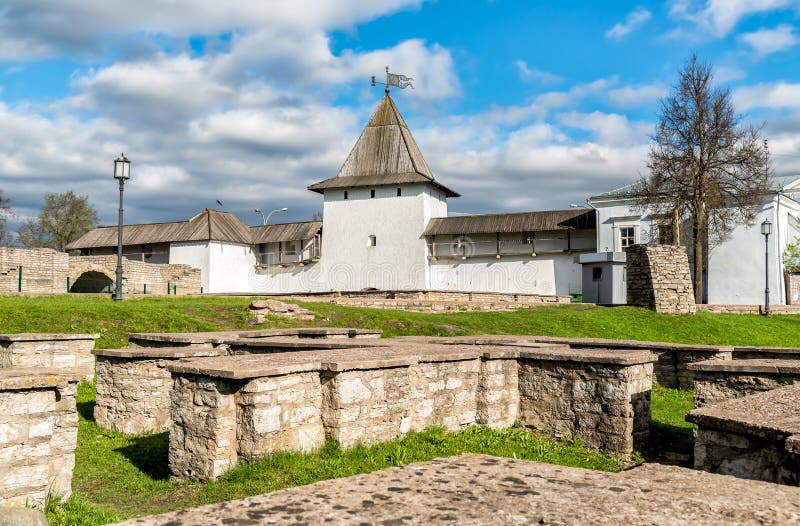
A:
[385, 154]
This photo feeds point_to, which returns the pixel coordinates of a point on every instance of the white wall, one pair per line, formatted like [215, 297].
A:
[232, 267]
[611, 217]
[294, 278]
[736, 267]
[399, 259]
[543, 274]
[195, 254]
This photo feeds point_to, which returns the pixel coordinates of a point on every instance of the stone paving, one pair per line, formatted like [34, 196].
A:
[474, 489]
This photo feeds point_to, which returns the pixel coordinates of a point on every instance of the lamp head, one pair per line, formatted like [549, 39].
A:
[122, 168]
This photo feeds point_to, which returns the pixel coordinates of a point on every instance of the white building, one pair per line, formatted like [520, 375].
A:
[385, 227]
[736, 267]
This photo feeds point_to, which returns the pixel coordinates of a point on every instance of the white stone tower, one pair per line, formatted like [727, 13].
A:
[377, 207]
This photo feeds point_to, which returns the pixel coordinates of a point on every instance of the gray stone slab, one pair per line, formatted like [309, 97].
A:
[473, 489]
[631, 344]
[39, 337]
[293, 342]
[773, 366]
[23, 378]
[605, 356]
[773, 415]
[167, 353]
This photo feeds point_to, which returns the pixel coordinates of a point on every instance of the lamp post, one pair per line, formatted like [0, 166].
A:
[766, 230]
[276, 210]
[122, 172]
[259, 212]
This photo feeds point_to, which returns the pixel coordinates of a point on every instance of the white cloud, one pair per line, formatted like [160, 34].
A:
[717, 18]
[536, 75]
[609, 129]
[767, 41]
[631, 96]
[633, 21]
[775, 95]
[45, 28]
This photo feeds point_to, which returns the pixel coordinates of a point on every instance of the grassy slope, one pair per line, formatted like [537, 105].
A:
[169, 314]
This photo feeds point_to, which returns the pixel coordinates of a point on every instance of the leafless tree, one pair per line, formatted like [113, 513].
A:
[707, 169]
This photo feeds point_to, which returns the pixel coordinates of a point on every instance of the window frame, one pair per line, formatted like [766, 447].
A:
[622, 238]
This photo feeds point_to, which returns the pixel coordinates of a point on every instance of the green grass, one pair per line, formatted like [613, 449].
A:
[668, 408]
[121, 476]
[189, 314]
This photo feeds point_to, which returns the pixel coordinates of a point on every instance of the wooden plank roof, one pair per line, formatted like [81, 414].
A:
[510, 223]
[285, 232]
[208, 225]
[385, 154]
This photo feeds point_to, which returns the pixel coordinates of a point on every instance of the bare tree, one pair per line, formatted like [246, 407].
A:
[64, 218]
[5, 210]
[707, 169]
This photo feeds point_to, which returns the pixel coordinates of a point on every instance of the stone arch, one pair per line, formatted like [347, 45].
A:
[92, 281]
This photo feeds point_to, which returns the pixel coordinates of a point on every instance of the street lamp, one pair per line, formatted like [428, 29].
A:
[122, 172]
[258, 211]
[270, 214]
[766, 230]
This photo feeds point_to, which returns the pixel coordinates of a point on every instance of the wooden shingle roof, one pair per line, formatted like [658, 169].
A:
[285, 232]
[385, 154]
[510, 223]
[208, 225]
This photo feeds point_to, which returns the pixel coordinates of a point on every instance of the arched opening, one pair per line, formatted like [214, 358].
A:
[92, 282]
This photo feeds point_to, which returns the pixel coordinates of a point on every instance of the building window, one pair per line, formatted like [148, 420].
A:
[627, 236]
[399, 192]
[597, 273]
[345, 194]
[373, 241]
[371, 194]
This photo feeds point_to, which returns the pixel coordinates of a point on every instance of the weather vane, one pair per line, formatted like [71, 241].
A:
[393, 79]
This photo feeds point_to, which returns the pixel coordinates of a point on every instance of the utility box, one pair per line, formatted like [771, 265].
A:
[604, 278]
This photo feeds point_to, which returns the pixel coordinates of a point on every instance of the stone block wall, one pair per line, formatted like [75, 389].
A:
[202, 439]
[444, 394]
[137, 274]
[793, 288]
[717, 381]
[38, 436]
[56, 351]
[497, 399]
[658, 278]
[295, 401]
[132, 395]
[44, 271]
[606, 407]
[279, 413]
[366, 406]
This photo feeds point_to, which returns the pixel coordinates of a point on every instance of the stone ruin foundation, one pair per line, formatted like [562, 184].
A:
[243, 407]
[38, 434]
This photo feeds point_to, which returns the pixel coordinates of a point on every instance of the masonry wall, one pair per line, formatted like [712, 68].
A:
[55, 351]
[793, 288]
[659, 278]
[607, 407]
[122, 407]
[44, 271]
[137, 274]
[218, 421]
[38, 436]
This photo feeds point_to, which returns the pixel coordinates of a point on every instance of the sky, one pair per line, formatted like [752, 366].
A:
[517, 105]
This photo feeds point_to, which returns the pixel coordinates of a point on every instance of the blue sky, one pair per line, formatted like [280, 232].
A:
[518, 105]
